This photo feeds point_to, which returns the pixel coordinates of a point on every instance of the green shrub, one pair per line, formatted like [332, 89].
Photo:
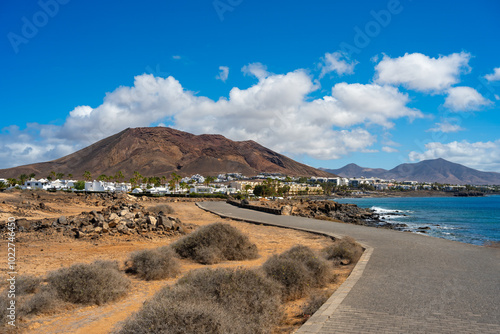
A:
[210, 301]
[344, 251]
[154, 264]
[215, 243]
[94, 283]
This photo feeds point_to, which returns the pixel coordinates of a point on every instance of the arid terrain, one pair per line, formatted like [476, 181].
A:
[38, 252]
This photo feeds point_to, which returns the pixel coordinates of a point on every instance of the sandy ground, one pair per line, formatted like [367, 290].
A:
[38, 254]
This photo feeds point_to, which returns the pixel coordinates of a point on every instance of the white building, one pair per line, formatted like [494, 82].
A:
[35, 184]
[201, 190]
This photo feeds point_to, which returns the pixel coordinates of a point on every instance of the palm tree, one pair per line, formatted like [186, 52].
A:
[23, 178]
[12, 181]
[3, 185]
[60, 175]
[247, 188]
[53, 175]
[102, 177]
[208, 180]
[119, 176]
[87, 175]
[32, 175]
[176, 178]
[163, 179]
[70, 176]
[184, 186]
[171, 185]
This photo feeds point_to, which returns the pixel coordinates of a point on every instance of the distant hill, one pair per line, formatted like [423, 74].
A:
[436, 170]
[158, 151]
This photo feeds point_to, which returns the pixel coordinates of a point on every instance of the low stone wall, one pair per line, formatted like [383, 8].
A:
[254, 207]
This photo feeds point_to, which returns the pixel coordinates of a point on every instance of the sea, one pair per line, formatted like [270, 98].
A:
[473, 220]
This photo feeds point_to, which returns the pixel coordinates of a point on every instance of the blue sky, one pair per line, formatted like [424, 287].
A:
[377, 83]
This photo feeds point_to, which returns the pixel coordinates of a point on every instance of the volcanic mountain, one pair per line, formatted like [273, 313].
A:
[159, 151]
[436, 170]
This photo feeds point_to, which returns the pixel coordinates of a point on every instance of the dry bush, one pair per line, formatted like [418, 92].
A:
[154, 264]
[210, 301]
[215, 243]
[26, 284]
[4, 304]
[95, 283]
[344, 251]
[320, 270]
[298, 269]
[177, 310]
[251, 299]
[314, 302]
[163, 208]
[44, 301]
[292, 275]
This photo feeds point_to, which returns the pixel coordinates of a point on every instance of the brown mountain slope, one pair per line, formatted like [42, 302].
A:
[160, 151]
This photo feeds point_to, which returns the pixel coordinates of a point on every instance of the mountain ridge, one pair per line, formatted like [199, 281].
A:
[434, 170]
[157, 151]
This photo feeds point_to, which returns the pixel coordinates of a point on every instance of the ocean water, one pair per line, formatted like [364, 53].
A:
[473, 220]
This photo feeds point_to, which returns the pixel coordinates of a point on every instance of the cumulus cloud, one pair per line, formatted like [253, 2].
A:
[465, 99]
[333, 62]
[446, 127]
[277, 112]
[255, 69]
[419, 72]
[223, 74]
[479, 155]
[495, 76]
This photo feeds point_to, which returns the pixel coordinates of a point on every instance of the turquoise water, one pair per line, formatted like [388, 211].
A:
[473, 220]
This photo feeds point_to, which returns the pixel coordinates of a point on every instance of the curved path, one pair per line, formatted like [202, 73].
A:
[411, 283]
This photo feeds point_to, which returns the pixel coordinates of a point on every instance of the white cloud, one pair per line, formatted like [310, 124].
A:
[333, 62]
[277, 112]
[419, 72]
[465, 99]
[495, 76]
[356, 103]
[479, 155]
[176, 57]
[256, 69]
[389, 149]
[224, 73]
[446, 127]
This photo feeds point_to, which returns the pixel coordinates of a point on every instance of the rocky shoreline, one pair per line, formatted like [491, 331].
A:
[329, 210]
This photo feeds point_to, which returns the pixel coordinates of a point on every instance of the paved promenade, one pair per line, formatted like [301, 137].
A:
[405, 283]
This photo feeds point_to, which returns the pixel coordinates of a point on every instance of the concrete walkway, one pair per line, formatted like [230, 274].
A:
[408, 283]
